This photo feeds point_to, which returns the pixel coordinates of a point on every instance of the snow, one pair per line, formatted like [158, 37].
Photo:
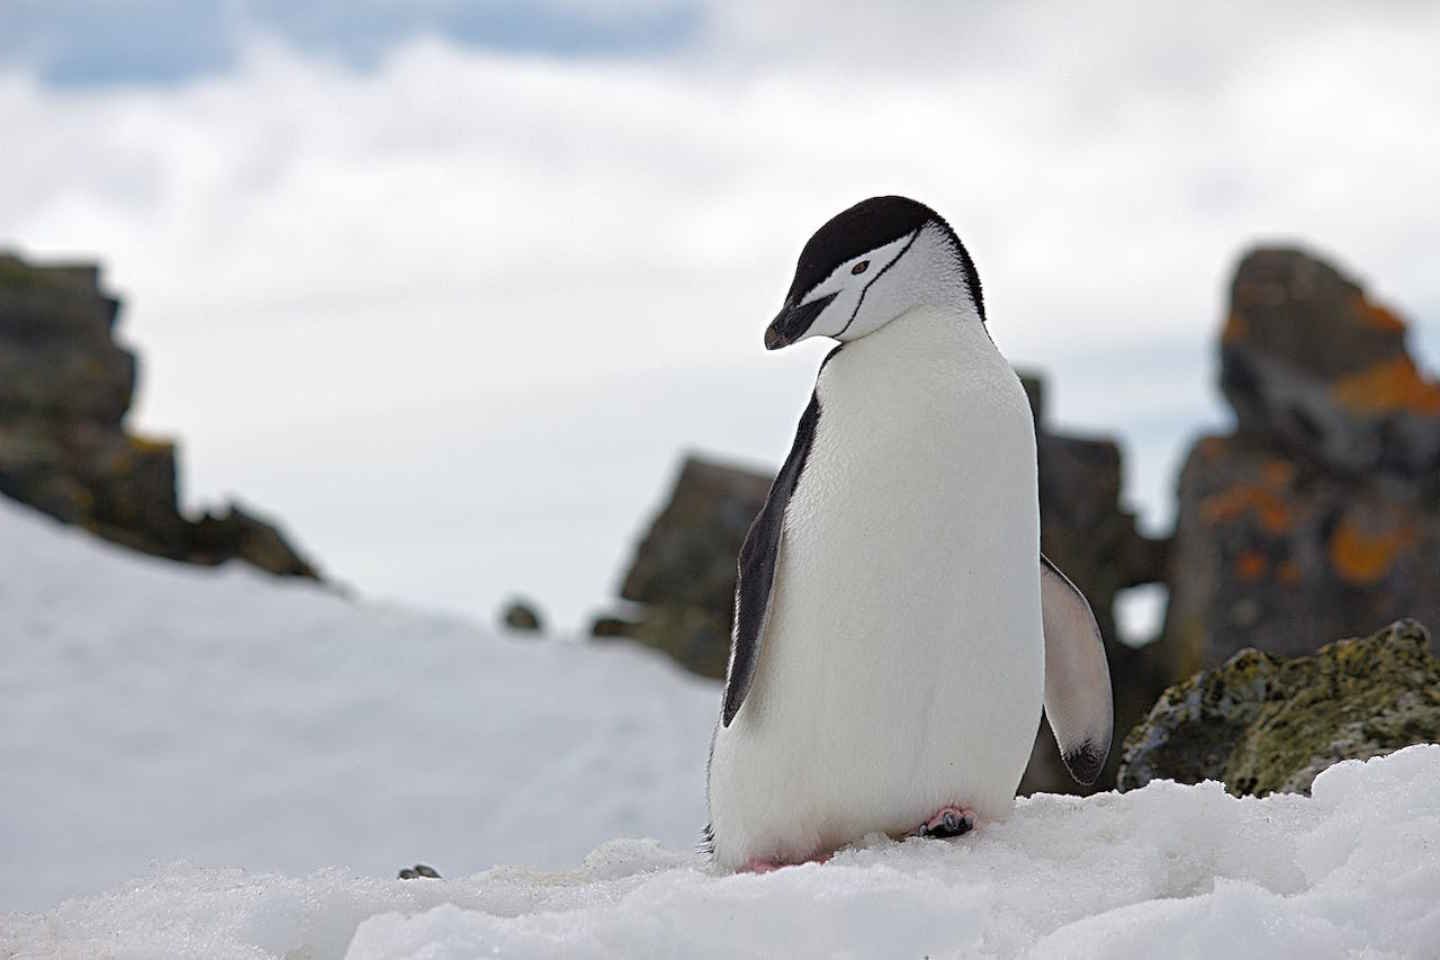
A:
[267, 732]
[1169, 871]
[151, 711]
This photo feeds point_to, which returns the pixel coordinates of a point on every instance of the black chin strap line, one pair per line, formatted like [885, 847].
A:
[866, 289]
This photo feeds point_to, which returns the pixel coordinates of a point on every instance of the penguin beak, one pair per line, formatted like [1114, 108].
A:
[792, 322]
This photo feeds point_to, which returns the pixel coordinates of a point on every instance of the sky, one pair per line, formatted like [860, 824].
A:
[450, 288]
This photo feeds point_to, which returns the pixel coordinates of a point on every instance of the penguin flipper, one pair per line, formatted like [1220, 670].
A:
[1077, 676]
[759, 559]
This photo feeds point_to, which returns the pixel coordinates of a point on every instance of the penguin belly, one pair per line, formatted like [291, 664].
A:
[902, 668]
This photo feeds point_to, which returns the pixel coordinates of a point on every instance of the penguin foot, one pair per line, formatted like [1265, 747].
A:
[756, 865]
[947, 822]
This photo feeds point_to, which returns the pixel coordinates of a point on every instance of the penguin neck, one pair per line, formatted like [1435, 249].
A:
[928, 334]
[924, 352]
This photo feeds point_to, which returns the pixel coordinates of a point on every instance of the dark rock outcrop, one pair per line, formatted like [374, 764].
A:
[65, 389]
[1089, 535]
[1263, 724]
[684, 568]
[522, 617]
[1318, 517]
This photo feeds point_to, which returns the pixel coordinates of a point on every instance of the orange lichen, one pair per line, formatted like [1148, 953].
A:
[1251, 565]
[1288, 572]
[1278, 473]
[1272, 512]
[152, 445]
[1235, 328]
[1211, 447]
[1378, 316]
[1390, 386]
[1363, 557]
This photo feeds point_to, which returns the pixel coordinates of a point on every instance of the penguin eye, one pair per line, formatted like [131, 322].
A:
[860, 267]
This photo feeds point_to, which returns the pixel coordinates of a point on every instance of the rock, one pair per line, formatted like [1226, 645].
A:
[65, 389]
[1318, 517]
[697, 638]
[1315, 368]
[1088, 534]
[58, 359]
[610, 628]
[419, 872]
[521, 616]
[238, 535]
[1270, 553]
[684, 568]
[687, 557]
[1263, 724]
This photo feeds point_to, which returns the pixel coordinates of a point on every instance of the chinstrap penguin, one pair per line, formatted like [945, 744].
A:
[896, 627]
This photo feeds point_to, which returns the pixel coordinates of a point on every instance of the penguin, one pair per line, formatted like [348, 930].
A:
[896, 627]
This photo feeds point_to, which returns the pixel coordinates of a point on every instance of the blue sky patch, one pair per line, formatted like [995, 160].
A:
[71, 43]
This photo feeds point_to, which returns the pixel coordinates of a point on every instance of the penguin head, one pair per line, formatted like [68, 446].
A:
[870, 264]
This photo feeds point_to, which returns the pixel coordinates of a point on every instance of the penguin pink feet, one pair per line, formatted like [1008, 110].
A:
[756, 865]
[947, 822]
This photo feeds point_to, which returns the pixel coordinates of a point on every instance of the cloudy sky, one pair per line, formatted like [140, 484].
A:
[449, 287]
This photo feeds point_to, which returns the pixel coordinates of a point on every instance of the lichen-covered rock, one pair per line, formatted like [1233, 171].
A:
[1318, 517]
[1263, 724]
[65, 388]
[1317, 369]
[1274, 554]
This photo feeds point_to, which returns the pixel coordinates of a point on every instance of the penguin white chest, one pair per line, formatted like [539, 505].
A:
[902, 668]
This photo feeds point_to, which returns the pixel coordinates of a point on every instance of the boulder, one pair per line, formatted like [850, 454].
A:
[65, 389]
[687, 557]
[1318, 516]
[57, 356]
[684, 568]
[1263, 724]
[1315, 368]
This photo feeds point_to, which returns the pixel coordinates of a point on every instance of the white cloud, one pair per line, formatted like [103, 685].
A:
[367, 293]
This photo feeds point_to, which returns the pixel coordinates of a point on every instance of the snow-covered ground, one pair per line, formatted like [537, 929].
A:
[1168, 871]
[296, 748]
[152, 712]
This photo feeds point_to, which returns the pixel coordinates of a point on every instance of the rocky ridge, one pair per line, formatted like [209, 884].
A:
[66, 386]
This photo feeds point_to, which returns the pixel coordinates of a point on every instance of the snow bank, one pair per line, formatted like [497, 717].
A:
[154, 712]
[1167, 871]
